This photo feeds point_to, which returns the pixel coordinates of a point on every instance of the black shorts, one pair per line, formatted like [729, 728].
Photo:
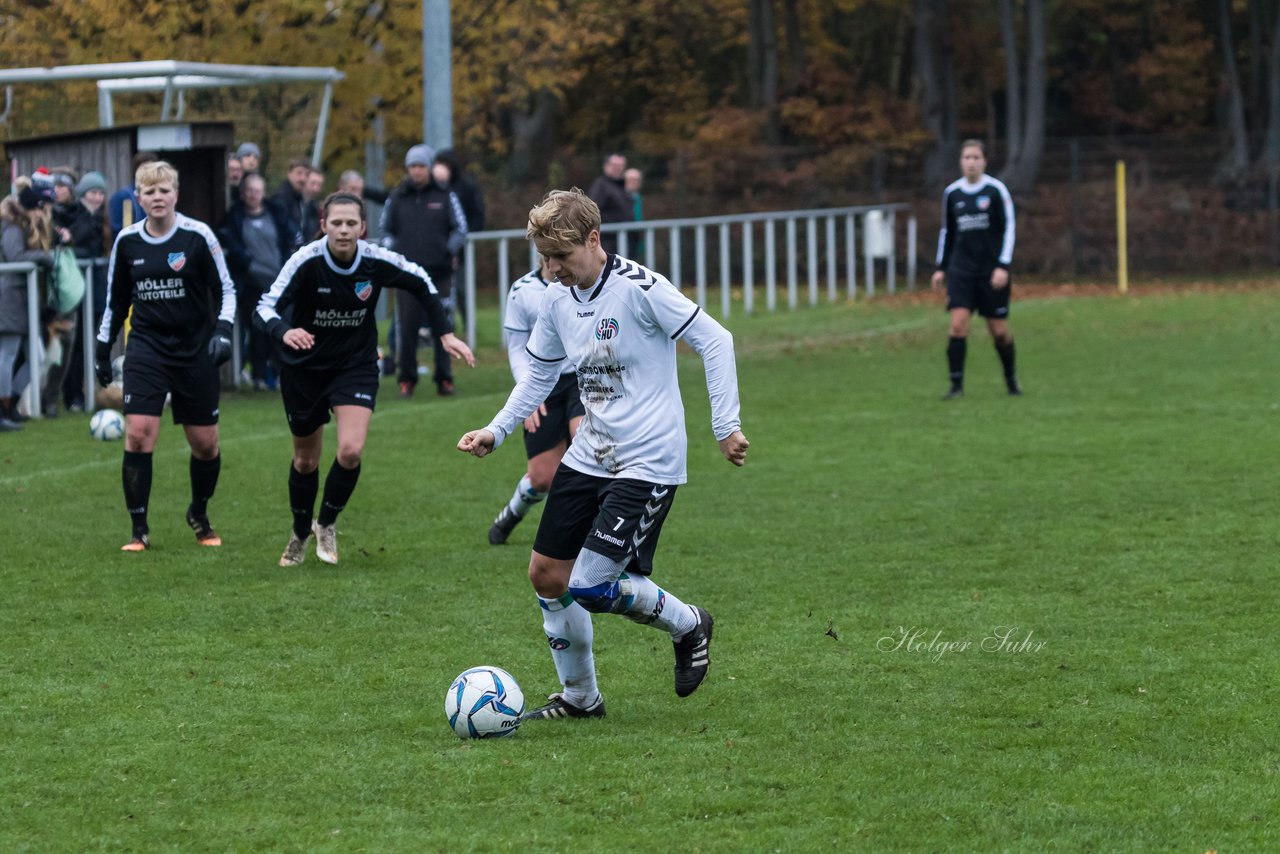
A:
[148, 377]
[563, 405]
[977, 294]
[615, 517]
[309, 395]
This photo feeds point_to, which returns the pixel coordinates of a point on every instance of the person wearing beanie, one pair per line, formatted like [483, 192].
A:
[250, 157]
[419, 155]
[88, 241]
[92, 181]
[424, 222]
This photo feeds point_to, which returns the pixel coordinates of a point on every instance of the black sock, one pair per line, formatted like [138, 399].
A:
[136, 476]
[956, 348]
[338, 486]
[302, 499]
[204, 480]
[1007, 359]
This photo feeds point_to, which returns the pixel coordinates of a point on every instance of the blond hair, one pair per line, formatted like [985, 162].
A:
[563, 220]
[155, 172]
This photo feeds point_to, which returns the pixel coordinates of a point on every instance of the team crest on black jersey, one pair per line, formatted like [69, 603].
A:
[177, 260]
[984, 202]
[606, 329]
[364, 289]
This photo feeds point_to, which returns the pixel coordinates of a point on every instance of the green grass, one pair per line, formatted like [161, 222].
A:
[1123, 514]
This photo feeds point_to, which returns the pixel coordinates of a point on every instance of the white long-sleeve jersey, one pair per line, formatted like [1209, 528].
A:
[621, 335]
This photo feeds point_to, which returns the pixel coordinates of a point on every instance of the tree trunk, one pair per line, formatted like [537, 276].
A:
[1257, 79]
[531, 136]
[1271, 147]
[1235, 161]
[937, 89]
[1037, 95]
[1012, 85]
[763, 58]
[795, 45]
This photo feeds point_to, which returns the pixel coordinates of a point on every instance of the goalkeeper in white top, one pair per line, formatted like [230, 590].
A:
[618, 323]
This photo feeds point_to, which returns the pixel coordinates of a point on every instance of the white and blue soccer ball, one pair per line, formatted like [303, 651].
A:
[106, 425]
[484, 702]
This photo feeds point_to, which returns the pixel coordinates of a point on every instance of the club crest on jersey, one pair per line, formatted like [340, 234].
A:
[606, 329]
[364, 289]
[984, 202]
[177, 260]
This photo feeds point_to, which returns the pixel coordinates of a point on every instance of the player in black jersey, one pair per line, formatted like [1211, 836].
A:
[169, 271]
[975, 249]
[329, 358]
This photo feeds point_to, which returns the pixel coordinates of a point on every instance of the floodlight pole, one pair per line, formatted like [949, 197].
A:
[437, 74]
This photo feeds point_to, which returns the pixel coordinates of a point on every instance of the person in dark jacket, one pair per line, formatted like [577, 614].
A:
[88, 240]
[258, 238]
[292, 199]
[425, 223]
[468, 192]
[609, 193]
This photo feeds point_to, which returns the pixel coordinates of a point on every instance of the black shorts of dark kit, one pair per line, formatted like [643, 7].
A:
[148, 377]
[976, 293]
[309, 395]
[563, 405]
[615, 517]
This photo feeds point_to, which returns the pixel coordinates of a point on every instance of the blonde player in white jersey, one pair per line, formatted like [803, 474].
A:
[550, 428]
[618, 323]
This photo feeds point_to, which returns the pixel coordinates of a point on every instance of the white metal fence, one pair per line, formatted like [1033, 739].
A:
[727, 244]
[837, 242]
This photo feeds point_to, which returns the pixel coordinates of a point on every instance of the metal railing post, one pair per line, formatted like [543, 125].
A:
[891, 226]
[700, 264]
[650, 249]
[850, 256]
[675, 256]
[911, 251]
[88, 338]
[469, 261]
[748, 268]
[831, 259]
[770, 265]
[791, 262]
[811, 239]
[726, 285]
[624, 243]
[504, 279]
[869, 263]
[35, 347]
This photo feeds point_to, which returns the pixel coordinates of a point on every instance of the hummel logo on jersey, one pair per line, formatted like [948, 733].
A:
[364, 289]
[137, 261]
[591, 313]
[177, 260]
[606, 329]
[324, 290]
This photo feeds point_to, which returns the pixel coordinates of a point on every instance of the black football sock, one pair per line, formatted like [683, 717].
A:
[338, 486]
[1007, 359]
[136, 476]
[204, 480]
[302, 499]
[956, 349]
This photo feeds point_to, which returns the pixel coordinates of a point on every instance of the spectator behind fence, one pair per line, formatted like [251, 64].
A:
[633, 182]
[60, 328]
[258, 238]
[424, 222]
[292, 200]
[611, 197]
[472, 201]
[235, 176]
[250, 157]
[313, 189]
[88, 240]
[26, 234]
[122, 208]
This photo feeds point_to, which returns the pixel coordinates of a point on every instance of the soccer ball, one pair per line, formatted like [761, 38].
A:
[106, 425]
[484, 702]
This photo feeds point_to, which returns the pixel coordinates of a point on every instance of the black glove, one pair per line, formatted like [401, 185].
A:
[102, 364]
[220, 343]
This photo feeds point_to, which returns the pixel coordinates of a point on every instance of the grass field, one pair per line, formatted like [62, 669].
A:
[1119, 522]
